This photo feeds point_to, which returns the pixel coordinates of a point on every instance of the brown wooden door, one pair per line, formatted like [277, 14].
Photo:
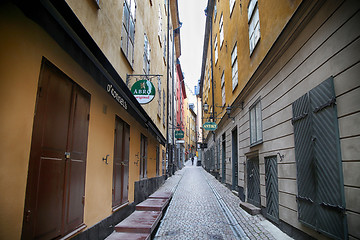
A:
[121, 162]
[55, 181]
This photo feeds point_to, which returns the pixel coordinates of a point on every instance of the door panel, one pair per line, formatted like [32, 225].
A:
[234, 161]
[118, 158]
[125, 183]
[272, 190]
[253, 178]
[76, 165]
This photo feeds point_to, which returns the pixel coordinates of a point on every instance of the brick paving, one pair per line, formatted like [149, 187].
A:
[202, 208]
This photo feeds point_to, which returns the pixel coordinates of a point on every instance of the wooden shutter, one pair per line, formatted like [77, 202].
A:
[319, 168]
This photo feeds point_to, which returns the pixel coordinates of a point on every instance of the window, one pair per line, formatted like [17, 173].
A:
[254, 24]
[216, 49]
[164, 46]
[143, 157]
[221, 30]
[232, 4]
[215, 11]
[160, 25]
[234, 68]
[159, 98]
[255, 124]
[128, 30]
[146, 55]
[223, 102]
[164, 107]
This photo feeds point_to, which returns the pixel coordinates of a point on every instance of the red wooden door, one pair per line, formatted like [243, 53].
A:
[59, 129]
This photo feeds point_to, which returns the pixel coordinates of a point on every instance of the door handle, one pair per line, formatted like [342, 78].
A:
[67, 155]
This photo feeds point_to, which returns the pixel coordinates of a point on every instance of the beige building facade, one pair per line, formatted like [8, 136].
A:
[289, 144]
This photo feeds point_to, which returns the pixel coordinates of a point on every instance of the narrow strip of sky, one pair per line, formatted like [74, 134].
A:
[192, 16]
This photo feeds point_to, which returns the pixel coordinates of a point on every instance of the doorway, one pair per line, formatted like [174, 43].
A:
[121, 163]
[253, 181]
[55, 193]
[272, 190]
[234, 157]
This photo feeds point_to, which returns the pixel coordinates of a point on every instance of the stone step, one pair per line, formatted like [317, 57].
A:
[249, 208]
[152, 204]
[128, 236]
[161, 195]
[140, 222]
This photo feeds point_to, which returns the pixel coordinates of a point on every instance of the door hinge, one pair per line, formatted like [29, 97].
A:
[83, 200]
[27, 215]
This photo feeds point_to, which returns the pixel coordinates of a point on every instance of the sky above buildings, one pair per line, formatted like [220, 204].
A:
[192, 16]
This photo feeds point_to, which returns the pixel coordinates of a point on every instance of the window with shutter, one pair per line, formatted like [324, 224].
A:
[254, 24]
[215, 49]
[321, 203]
[221, 27]
[223, 101]
[234, 68]
[128, 30]
[146, 55]
[232, 4]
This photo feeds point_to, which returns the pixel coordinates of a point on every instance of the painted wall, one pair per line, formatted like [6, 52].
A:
[23, 45]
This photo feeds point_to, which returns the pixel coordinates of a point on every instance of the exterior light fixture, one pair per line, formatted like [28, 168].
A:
[228, 110]
[206, 107]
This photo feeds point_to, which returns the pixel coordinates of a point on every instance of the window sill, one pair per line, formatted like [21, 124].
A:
[256, 143]
[116, 208]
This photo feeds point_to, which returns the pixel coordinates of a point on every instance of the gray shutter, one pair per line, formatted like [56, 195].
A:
[330, 190]
[320, 197]
[305, 165]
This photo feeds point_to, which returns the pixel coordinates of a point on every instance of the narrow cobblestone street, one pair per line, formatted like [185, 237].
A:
[202, 208]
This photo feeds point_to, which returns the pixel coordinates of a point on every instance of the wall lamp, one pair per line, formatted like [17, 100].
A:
[229, 109]
[206, 107]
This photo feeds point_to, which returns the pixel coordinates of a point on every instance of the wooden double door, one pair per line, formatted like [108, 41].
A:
[54, 203]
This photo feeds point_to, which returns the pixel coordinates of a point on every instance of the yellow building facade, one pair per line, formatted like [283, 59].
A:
[79, 150]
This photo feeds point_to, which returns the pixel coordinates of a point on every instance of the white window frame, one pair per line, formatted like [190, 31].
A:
[128, 30]
[223, 97]
[255, 123]
[216, 49]
[160, 26]
[215, 11]
[234, 67]
[254, 24]
[221, 27]
[147, 51]
[231, 4]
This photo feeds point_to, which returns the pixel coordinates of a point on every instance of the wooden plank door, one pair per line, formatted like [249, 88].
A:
[56, 176]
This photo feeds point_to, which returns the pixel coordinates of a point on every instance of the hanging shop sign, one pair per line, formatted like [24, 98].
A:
[144, 91]
[179, 134]
[210, 126]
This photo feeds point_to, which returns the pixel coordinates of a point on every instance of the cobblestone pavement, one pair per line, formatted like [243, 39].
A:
[202, 208]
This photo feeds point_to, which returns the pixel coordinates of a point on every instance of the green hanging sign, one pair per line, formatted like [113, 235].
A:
[144, 91]
[179, 134]
[210, 126]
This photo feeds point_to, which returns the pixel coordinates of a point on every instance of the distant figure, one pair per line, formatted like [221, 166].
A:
[192, 160]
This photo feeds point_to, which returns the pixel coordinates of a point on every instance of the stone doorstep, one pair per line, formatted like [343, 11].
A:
[152, 204]
[249, 208]
[140, 222]
[161, 195]
[128, 236]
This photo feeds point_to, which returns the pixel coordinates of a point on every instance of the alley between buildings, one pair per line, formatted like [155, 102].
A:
[202, 208]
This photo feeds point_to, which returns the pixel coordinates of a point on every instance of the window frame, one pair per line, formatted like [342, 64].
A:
[234, 63]
[223, 92]
[216, 50]
[146, 56]
[232, 6]
[128, 34]
[255, 123]
[221, 30]
[254, 25]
